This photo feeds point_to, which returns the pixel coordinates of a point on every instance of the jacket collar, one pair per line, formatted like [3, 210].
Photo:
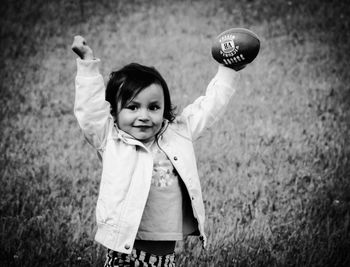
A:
[162, 130]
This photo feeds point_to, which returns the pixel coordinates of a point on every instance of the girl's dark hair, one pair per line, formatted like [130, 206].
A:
[126, 83]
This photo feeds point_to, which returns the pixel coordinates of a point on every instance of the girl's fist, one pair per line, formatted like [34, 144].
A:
[81, 48]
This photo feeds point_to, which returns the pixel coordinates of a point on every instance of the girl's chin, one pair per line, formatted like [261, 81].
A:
[144, 135]
[144, 138]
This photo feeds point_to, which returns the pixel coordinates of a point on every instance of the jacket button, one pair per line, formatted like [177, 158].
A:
[175, 158]
[127, 246]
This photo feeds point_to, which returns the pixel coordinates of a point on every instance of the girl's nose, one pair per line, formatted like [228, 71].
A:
[143, 116]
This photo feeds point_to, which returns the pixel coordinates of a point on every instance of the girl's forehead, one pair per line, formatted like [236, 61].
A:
[152, 93]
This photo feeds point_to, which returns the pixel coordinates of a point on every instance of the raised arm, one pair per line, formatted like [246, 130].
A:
[207, 109]
[234, 49]
[90, 107]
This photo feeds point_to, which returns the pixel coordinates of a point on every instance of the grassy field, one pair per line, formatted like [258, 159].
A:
[275, 171]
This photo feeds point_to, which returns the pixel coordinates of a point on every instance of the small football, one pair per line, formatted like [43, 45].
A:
[235, 47]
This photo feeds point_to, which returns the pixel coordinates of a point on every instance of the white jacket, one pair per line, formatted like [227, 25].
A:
[127, 163]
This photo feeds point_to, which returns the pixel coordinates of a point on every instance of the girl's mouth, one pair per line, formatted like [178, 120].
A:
[142, 126]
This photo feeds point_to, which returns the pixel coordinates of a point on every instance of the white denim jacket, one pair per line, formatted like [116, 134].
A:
[127, 163]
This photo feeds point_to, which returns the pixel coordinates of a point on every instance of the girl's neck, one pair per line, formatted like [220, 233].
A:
[149, 143]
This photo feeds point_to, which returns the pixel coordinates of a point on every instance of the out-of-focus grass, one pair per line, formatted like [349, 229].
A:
[275, 170]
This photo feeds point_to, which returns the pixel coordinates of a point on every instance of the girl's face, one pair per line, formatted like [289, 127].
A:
[142, 117]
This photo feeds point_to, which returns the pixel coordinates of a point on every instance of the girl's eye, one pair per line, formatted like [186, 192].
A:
[132, 107]
[154, 108]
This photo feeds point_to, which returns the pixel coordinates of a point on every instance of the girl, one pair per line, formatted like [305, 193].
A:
[150, 194]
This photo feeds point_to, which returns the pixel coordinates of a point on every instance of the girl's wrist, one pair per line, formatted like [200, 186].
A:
[88, 56]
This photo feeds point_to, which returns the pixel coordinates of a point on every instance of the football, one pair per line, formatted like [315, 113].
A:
[235, 48]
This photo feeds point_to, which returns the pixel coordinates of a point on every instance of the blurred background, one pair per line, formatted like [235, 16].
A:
[275, 172]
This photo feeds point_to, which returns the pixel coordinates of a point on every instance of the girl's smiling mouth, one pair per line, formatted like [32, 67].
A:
[143, 126]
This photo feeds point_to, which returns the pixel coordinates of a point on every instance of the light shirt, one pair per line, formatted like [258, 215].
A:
[168, 213]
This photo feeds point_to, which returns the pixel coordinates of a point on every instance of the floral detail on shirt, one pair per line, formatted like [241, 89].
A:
[162, 177]
[164, 173]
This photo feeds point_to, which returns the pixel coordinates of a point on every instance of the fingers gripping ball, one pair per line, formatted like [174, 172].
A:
[235, 48]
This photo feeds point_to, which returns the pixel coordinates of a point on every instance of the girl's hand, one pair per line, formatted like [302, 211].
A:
[81, 48]
[239, 68]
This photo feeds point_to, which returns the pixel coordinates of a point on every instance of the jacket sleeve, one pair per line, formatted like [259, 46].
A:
[207, 109]
[90, 107]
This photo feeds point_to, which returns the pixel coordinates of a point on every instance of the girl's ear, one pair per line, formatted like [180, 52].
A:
[114, 115]
[115, 120]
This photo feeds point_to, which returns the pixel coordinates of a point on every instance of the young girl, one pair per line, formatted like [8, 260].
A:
[150, 194]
